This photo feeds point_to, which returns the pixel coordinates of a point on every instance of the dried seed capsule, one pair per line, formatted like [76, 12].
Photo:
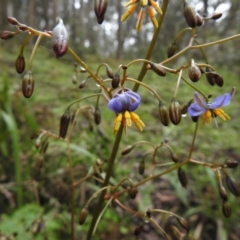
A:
[133, 192]
[194, 72]
[127, 150]
[97, 116]
[27, 84]
[182, 177]
[20, 64]
[158, 69]
[59, 39]
[115, 80]
[163, 114]
[5, 35]
[64, 123]
[100, 7]
[141, 167]
[223, 193]
[83, 216]
[138, 230]
[232, 186]
[171, 50]
[13, 21]
[231, 163]
[175, 112]
[189, 14]
[109, 72]
[184, 223]
[226, 209]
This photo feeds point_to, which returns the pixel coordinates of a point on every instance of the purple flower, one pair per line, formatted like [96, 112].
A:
[124, 101]
[210, 109]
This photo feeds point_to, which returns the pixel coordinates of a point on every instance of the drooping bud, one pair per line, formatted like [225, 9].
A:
[231, 163]
[171, 50]
[133, 192]
[141, 167]
[83, 216]
[232, 186]
[5, 35]
[20, 64]
[82, 84]
[97, 116]
[163, 114]
[184, 108]
[59, 39]
[182, 177]
[194, 72]
[127, 150]
[174, 157]
[210, 76]
[175, 112]
[223, 193]
[27, 84]
[115, 80]
[64, 123]
[158, 69]
[184, 223]
[226, 209]
[219, 80]
[13, 21]
[100, 7]
[138, 230]
[216, 16]
[189, 14]
[109, 72]
[200, 20]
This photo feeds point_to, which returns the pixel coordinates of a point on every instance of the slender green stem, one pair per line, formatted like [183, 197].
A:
[34, 51]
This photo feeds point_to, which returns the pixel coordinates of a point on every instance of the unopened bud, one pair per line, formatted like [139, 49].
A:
[223, 193]
[175, 113]
[127, 150]
[216, 16]
[163, 114]
[83, 216]
[219, 80]
[20, 64]
[133, 192]
[171, 50]
[158, 69]
[138, 230]
[74, 78]
[97, 116]
[231, 163]
[226, 209]
[195, 118]
[23, 28]
[182, 177]
[232, 186]
[5, 35]
[200, 20]
[100, 7]
[109, 72]
[59, 39]
[184, 223]
[194, 72]
[13, 21]
[210, 76]
[64, 123]
[141, 167]
[82, 84]
[185, 107]
[115, 80]
[174, 157]
[189, 14]
[27, 84]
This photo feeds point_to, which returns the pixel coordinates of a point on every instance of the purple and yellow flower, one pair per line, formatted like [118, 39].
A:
[123, 104]
[212, 109]
[150, 4]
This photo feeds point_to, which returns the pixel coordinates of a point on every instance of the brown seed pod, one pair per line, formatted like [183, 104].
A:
[83, 216]
[171, 50]
[189, 14]
[13, 21]
[163, 114]
[20, 64]
[133, 192]
[158, 69]
[175, 113]
[194, 73]
[127, 150]
[64, 123]
[216, 16]
[226, 209]
[5, 35]
[109, 72]
[232, 186]
[27, 84]
[100, 7]
[97, 116]
[141, 167]
[174, 157]
[231, 163]
[182, 177]
[115, 80]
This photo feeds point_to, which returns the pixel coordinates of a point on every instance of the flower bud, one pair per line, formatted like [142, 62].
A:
[109, 72]
[182, 177]
[100, 7]
[127, 150]
[163, 114]
[174, 157]
[138, 230]
[141, 167]
[59, 39]
[189, 14]
[13, 21]
[216, 16]
[83, 216]
[194, 72]
[115, 80]
[219, 80]
[184, 223]
[158, 69]
[20, 64]
[27, 84]
[223, 193]
[175, 112]
[82, 84]
[171, 50]
[195, 118]
[210, 76]
[64, 123]
[23, 28]
[232, 186]
[97, 116]
[199, 20]
[5, 35]
[184, 108]
[231, 163]
[133, 192]
[226, 209]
